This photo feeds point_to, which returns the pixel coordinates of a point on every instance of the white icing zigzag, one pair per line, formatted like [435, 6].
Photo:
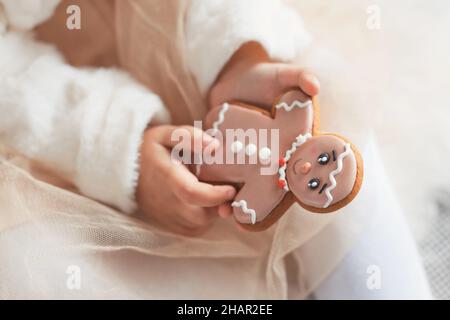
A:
[220, 118]
[243, 204]
[301, 139]
[335, 172]
[215, 127]
[294, 104]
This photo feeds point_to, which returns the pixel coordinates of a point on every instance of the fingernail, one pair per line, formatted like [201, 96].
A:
[207, 138]
[231, 193]
[210, 140]
[314, 81]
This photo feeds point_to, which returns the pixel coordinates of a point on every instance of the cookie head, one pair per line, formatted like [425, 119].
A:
[323, 173]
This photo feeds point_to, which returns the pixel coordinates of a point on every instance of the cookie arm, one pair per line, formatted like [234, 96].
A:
[294, 113]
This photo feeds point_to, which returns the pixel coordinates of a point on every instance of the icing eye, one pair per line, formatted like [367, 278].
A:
[313, 184]
[323, 159]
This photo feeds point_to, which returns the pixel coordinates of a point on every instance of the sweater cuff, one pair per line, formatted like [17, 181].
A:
[217, 28]
[108, 161]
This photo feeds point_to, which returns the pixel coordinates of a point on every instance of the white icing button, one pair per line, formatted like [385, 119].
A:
[250, 149]
[264, 154]
[236, 146]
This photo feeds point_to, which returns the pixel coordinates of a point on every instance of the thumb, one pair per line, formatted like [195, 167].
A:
[187, 138]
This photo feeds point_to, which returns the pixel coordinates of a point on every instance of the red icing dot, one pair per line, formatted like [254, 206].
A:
[281, 183]
[281, 162]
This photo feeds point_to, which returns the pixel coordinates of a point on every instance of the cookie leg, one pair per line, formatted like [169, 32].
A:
[243, 211]
[256, 201]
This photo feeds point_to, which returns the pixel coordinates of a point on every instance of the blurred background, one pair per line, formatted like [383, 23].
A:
[399, 51]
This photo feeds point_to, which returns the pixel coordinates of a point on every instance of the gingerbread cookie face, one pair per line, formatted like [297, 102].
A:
[322, 172]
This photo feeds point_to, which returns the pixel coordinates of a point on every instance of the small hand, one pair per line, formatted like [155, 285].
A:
[170, 194]
[250, 76]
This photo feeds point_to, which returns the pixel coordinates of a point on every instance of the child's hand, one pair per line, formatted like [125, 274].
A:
[250, 76]
[170, 194]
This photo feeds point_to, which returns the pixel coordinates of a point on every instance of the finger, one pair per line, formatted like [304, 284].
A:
[292, 76]
[309, 83]
[240, 227]
[187, 137]
[189, 190]
[192, 232]
[197, 217]
[225, 211]
[187, 231]
[183, 216]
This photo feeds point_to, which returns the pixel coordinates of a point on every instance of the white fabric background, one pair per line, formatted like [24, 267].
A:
[404, 67]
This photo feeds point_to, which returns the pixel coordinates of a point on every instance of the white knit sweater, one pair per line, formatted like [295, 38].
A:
[87, 124]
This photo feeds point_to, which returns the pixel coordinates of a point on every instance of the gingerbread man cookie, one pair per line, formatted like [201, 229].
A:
[321, 171]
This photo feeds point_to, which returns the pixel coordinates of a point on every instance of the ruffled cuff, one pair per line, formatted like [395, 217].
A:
[108, 160]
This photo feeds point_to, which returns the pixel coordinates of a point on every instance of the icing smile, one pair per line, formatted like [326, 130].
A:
[323, 188]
